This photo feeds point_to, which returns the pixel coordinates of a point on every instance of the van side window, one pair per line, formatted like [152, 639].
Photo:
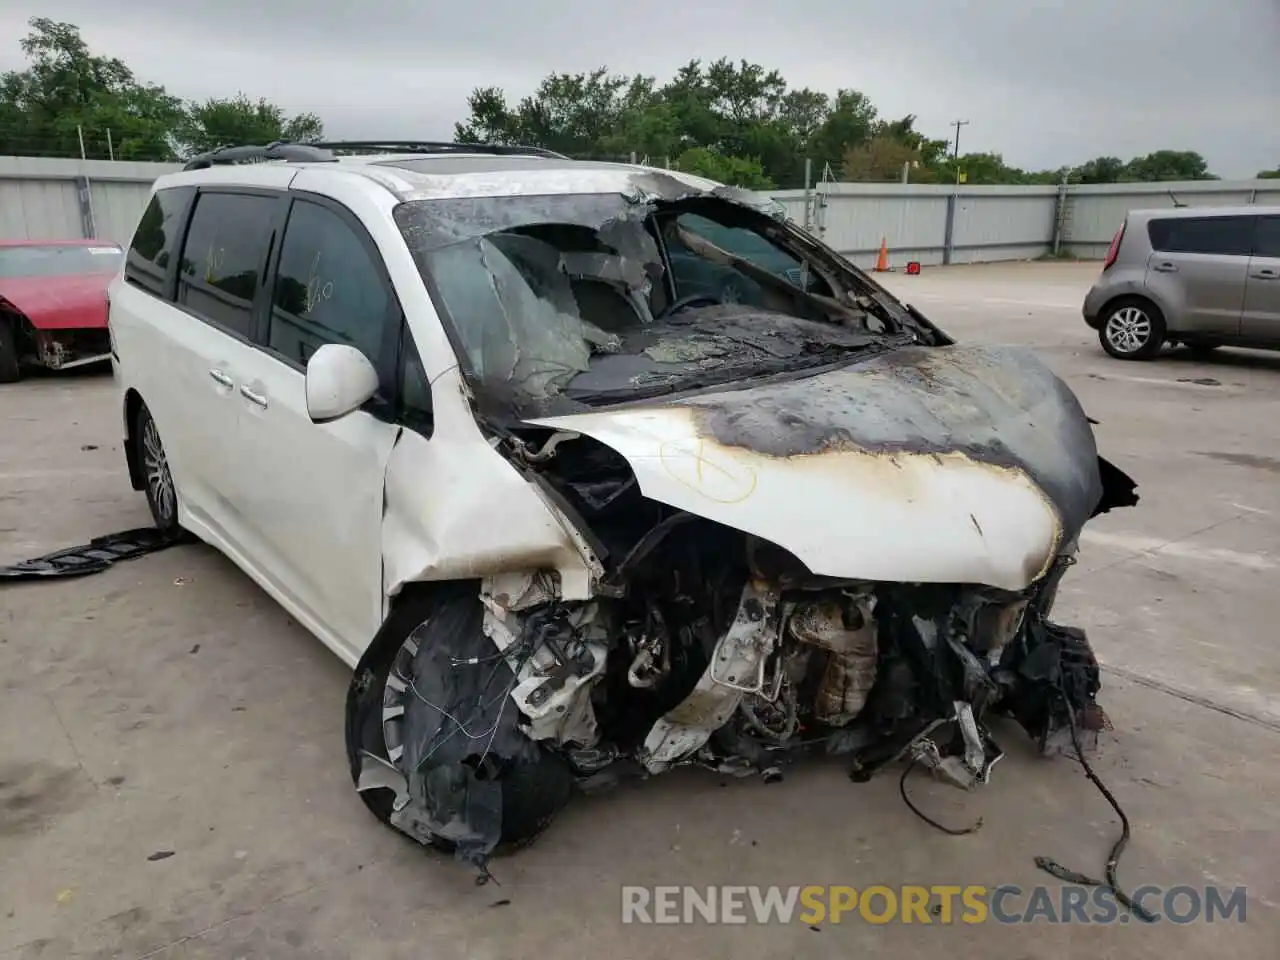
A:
[415, 390]
[700, 248]
[156, 239]
[1224, 236]
[223, 258]
[1267, 242]
[328, 289]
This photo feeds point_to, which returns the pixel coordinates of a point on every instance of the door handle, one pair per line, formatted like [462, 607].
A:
[222, 378]
[1265, 274]
[254, 398]
[1166, 267]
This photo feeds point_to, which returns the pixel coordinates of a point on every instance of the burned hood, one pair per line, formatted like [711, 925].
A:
[960, 464]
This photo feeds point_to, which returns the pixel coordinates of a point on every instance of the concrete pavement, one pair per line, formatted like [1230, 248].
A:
[173, 782]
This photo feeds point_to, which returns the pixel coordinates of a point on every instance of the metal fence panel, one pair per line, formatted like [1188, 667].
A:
[1001, 224]
[1097, 210]
[39, 199]
[117, 207]
[39, 210]
[855, 218]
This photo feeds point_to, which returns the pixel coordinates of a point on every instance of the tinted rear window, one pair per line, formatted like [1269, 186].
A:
[156, 238]
[1224, 236]
[223, 259]
[58, 261]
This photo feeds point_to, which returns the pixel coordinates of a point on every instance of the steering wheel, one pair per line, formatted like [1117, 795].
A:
[693, 299]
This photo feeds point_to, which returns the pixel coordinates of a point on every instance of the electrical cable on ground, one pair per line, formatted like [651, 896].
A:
[953, 831]
[1048, 864]
[1055, 869]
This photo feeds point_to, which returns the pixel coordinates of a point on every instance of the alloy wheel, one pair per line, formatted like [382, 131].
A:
[1128, 330]
[155, 466]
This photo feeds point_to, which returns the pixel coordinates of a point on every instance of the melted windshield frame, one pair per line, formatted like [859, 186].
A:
[504, 260]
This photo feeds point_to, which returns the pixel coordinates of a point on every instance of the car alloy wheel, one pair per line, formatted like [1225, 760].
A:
[1129, 330]
[159, 479]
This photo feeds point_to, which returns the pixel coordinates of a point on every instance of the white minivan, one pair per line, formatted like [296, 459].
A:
[586, 468]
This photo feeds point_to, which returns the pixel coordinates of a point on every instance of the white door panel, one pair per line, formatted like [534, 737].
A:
[170, 357]
[312, 495]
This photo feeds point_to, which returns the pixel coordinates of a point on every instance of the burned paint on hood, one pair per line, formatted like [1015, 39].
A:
[995, 405]
[959, 464]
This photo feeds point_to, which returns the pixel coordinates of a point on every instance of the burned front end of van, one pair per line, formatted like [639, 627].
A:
[811, 524]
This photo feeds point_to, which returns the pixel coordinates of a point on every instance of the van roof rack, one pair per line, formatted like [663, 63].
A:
[327, 152]
[260, 153]
[428, 147]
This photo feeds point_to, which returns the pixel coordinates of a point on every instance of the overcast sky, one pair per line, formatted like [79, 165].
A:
[1045, 82]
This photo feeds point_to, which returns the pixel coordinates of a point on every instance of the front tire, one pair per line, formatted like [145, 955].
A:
[162, 496]
[1132, 329]
[532, 792]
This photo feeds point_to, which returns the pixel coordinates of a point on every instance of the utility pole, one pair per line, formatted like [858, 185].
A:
[948, 234]
[808, 192]
[955, 153]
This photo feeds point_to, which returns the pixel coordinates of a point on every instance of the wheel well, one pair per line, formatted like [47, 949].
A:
[410, 606]
[132, 404]
[23, 331]
[1145, 302]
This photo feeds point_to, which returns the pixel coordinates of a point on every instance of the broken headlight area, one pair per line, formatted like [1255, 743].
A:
[706, 646]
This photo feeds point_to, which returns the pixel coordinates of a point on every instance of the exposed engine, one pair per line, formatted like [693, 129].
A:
[708, 645]
[702, 645]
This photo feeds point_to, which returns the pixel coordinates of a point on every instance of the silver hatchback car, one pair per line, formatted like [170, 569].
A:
[1202, 276]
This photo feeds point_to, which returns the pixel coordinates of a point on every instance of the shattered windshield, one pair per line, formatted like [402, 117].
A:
[603, 297]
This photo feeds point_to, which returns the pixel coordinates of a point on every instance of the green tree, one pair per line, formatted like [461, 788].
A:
[985, 168]
[1269, 174]
[736, 171]
[237, 120]
[881, 159]
[850, 122]
[1099, 170]
[730, 118]
[67, 92]
[1168, 165]
[491, 121]
[931, 152]
[572, 114]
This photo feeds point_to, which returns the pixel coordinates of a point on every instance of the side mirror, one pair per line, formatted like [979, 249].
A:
[340, 379]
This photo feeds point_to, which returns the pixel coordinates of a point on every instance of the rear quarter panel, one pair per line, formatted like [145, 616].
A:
[1122, 280]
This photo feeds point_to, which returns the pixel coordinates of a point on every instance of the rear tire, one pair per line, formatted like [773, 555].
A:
[9, 372]
[1132, 329]
[532, 793]
[162, 495]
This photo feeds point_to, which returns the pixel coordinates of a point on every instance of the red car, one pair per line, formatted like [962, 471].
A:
[53, 303]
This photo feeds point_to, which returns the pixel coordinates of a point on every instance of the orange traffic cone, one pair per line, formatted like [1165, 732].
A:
[882, 261]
